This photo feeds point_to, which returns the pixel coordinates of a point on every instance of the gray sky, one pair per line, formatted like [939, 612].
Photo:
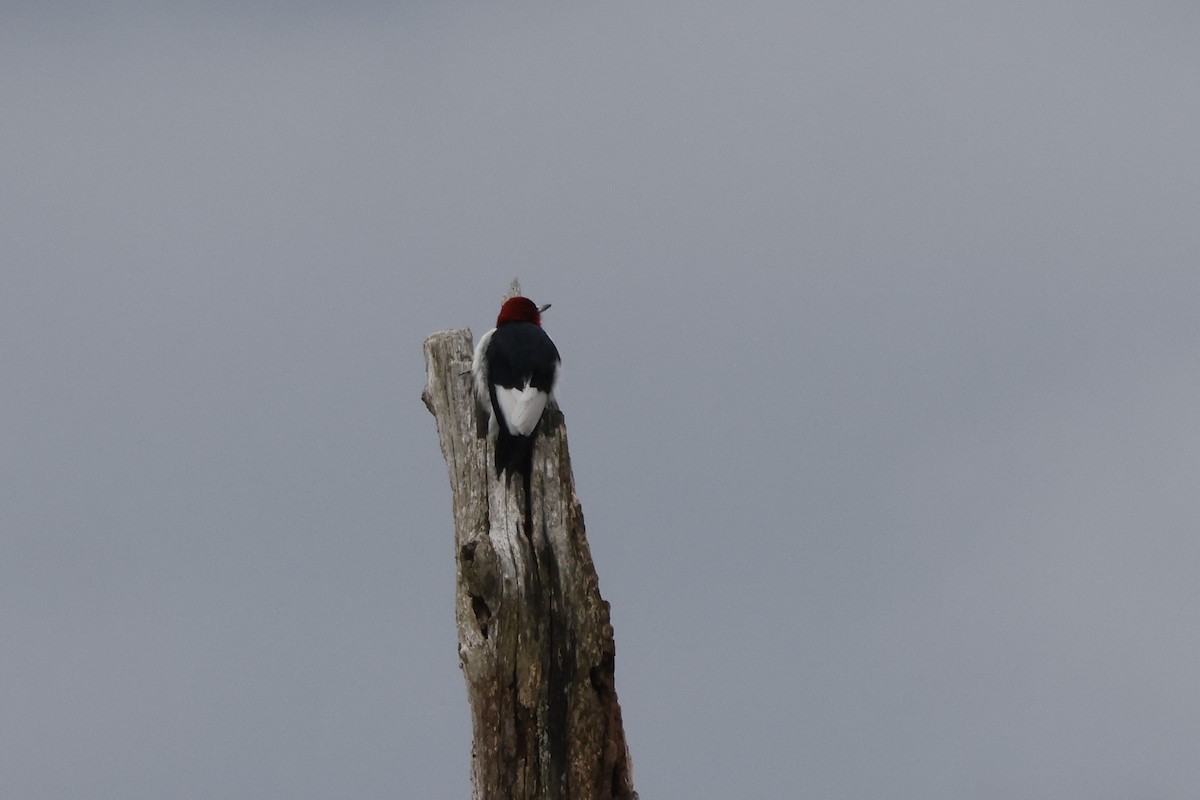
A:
[880, 336]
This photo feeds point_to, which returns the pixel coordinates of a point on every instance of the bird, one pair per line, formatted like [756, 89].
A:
[514, 371]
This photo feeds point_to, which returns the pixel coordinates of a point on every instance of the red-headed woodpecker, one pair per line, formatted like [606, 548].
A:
[515, 368]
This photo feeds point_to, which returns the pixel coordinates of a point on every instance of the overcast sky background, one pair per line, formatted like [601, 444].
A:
[880, 337]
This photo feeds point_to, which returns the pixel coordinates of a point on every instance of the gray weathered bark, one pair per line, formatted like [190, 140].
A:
[535, 642]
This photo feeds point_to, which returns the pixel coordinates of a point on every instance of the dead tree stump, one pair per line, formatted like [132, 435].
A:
[535, 641]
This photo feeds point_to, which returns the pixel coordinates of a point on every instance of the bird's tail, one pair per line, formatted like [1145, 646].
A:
[514, 456]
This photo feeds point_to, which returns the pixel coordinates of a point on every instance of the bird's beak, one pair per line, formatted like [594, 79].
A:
[543, 308]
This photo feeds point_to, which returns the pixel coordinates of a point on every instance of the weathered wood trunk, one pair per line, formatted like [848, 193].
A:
[535, 642]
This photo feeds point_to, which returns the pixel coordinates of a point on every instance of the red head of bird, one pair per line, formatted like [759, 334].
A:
[520, 309]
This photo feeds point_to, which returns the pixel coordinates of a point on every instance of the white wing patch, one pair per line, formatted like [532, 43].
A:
[521, 408]
[479, 376]
[479, 369]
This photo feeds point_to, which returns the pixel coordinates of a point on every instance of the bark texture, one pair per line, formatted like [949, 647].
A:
[535, 641]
